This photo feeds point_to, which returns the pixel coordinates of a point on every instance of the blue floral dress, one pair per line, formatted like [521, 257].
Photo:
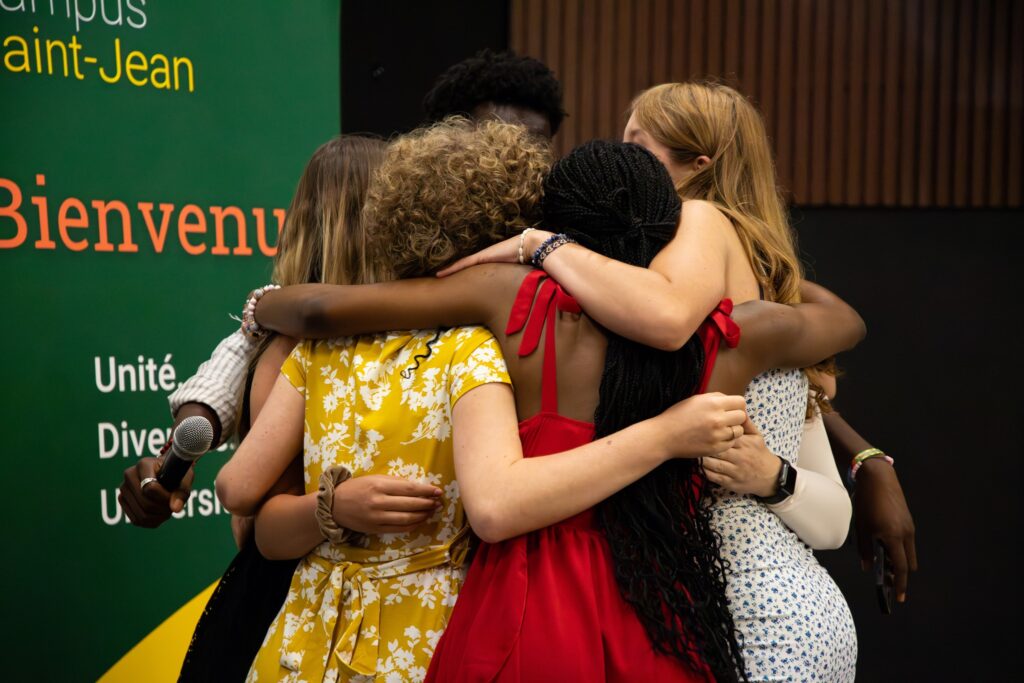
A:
[794, 622]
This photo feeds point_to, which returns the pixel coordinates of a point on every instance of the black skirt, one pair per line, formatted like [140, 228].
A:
[235, 621]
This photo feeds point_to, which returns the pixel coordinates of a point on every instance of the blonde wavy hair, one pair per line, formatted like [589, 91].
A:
[324, 236]
[447, 190]
[714, 120]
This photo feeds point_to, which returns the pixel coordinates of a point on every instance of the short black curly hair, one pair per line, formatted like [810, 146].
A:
[498, 77]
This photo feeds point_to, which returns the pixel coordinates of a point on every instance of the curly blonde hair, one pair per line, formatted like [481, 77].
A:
[447, 190]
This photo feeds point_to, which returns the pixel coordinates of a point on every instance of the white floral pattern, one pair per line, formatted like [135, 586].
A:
[374, 609]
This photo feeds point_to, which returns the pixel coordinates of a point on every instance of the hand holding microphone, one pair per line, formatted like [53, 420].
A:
[191, 439]
[153, 489]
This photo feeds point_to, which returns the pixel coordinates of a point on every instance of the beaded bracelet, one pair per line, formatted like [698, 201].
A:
[863, 457]
[250, 327]
[548, 246]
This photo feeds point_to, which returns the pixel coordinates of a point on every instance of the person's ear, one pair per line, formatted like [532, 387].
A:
[701, 162]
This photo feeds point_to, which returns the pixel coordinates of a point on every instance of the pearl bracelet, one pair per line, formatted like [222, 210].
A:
[250, 327]
[522, 242]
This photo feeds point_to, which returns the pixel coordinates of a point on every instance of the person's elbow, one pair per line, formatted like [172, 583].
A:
[833, 537]
[233, 496]
[491, 524]
[857, 329]
[271, 549]
[860, 329]
[313, 316]
[668, 330]
[833, 540]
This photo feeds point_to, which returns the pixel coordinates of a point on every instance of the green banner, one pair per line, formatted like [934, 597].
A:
[147, 153]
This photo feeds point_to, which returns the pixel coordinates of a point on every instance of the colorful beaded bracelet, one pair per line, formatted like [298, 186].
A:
[250, 327]
[863, 457]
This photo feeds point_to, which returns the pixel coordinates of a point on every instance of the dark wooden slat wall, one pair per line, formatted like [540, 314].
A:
[914, 103]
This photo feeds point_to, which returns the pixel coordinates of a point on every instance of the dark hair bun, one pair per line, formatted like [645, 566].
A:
[610, 196]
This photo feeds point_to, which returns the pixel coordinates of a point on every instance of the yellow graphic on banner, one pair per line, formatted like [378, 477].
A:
[157, 658]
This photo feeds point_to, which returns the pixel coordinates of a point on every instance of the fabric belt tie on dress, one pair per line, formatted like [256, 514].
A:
[354, 586]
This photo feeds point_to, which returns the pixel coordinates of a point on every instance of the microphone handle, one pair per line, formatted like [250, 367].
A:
[173, 471]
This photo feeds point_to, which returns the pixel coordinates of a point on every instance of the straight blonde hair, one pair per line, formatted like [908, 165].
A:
[714, 120]
[324, 237]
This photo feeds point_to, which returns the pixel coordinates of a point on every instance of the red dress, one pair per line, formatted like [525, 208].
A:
[545, 606]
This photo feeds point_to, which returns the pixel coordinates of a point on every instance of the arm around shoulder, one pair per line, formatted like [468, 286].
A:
[784, 336]
[660, 306]
[316, 311]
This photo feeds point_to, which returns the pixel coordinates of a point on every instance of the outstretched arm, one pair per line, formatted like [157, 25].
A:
[324, 311]
[782, 336]
[660, 306]
[507, 495]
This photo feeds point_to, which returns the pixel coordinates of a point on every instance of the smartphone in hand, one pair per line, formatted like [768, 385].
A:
[884, 579]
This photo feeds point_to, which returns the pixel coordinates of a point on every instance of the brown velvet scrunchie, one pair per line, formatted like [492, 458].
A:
[329, 528]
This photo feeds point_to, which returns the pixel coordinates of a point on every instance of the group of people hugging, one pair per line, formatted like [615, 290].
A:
[504, 417]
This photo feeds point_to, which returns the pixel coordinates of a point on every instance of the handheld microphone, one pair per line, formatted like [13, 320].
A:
[192, 437]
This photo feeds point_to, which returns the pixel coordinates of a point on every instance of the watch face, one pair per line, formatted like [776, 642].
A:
[787, 478]
[787, 484]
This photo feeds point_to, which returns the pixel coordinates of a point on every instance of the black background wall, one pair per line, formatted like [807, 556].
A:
[934, 383]
[392, 51]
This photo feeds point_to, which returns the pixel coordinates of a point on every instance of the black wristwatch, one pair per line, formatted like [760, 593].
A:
[787, 485]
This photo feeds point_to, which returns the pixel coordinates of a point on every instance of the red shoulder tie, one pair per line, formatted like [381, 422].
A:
[538, 299]
[718, 327]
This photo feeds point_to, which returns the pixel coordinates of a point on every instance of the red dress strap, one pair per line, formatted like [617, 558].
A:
[524, 301]
[536, 304]
[718, 327]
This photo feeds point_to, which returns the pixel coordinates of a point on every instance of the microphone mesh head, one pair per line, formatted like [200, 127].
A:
[193, 435]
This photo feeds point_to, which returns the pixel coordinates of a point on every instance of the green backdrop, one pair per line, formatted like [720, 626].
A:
[79, 587]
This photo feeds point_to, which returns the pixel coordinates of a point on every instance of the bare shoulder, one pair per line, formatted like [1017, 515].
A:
[268, 367]
[698, 212]
[272, 358]
[704, 228]
[278, 349]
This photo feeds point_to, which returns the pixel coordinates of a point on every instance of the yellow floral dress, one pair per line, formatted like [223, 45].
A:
[373, 609]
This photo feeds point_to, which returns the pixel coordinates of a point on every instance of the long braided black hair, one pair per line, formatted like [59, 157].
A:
[618, 200]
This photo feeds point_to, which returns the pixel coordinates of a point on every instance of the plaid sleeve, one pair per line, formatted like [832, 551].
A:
[220, 381]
